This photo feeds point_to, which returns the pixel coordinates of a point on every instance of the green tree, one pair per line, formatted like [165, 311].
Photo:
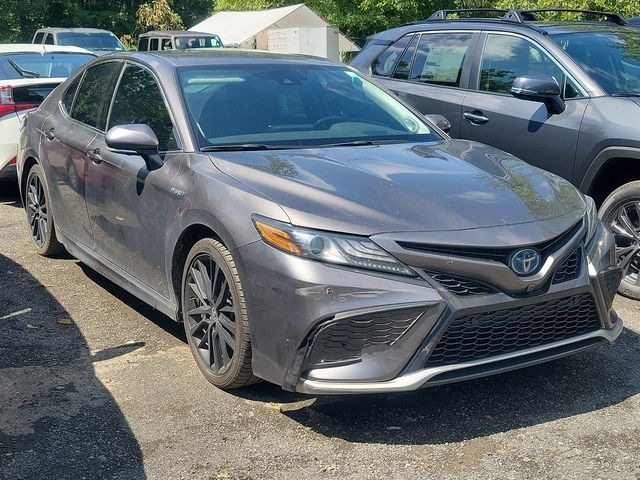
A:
[629, 8]
[157, 15]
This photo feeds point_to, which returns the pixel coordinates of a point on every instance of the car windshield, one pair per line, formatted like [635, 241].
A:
[38, 65]
[612, 58]
[183, 43]
[294, 105]
[91, 41]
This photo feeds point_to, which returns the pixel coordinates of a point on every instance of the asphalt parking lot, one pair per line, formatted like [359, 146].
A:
[94, 384]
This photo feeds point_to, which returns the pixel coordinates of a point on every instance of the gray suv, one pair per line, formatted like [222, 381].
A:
[562, 95]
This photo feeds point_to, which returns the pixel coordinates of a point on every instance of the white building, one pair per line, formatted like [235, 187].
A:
[293, 29]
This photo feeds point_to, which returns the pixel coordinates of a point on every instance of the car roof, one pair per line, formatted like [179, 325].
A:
[222, 56]
[72, 29]
[33, 47]
[176, 33]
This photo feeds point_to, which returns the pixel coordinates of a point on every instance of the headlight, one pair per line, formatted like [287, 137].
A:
[591, 217]
[351, 250]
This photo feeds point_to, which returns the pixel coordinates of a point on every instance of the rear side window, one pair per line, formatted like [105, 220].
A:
[154, 44]
[404, 65]
[70, 94]
[166, 44]
[383, 65]
[143, 44]
[440, 57]
[94, 95]
[138, 100]
[38, 38]
[49, 39]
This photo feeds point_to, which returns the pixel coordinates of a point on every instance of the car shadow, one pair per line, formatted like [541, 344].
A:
[582, 383]
[58, 420]
[9, 192]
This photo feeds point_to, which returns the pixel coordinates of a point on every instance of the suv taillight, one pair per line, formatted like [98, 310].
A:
[7, 105]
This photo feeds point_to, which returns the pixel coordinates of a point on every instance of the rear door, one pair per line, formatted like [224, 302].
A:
[431, 72]
[67, 135]
[127, 202]
[523, 128]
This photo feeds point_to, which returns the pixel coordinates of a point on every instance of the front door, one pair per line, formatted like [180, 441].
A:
[491, 115]
[127, 202]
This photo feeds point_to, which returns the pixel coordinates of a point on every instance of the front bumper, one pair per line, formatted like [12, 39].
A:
[321, 329]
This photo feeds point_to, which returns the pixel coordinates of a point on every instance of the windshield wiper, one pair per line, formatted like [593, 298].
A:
[246, 147]
[625, 94]
[24, 73]
[360, 143]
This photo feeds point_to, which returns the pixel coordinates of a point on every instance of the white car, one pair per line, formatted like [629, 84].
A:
[28, 73]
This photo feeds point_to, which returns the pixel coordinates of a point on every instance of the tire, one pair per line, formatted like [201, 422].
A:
[620, 212]
[215, 318]
[39, 214]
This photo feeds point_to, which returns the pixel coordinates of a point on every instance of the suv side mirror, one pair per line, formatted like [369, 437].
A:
[439, 121]
[135, 139]
[539, 89]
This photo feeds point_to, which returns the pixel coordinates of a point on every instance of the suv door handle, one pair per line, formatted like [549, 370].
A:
[476, 117]
[94, 155]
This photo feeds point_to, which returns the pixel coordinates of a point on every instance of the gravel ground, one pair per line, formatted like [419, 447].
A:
[94, 384]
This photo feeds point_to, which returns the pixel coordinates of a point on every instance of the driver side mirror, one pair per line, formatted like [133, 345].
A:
[542, 89]
[135, 139]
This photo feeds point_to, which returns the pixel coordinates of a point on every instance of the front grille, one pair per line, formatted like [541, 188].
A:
[342, 341]
[488, 334]
[612, 280]
[570, 268]
[460, 285]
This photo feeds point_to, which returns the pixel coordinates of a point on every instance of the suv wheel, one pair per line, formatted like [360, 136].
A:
[620, 212]
[39, 214]
[215, 316]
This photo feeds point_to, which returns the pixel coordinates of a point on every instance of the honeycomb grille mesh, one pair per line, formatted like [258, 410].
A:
[570, 269]
[459, 285]
[612, 280]
[487, 334]
[342, 341]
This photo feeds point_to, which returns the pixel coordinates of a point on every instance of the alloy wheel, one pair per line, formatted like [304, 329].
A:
[37, 211]
[210, 313]
[625, 226]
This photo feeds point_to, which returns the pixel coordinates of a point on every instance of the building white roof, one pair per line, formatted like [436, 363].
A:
[234, 28]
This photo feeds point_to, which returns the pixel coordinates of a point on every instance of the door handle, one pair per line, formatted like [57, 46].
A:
[94, 155]
[49, 134]
[476, 117]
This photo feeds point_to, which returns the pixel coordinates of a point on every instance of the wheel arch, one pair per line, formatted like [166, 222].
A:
[612, 168]
[29, 161]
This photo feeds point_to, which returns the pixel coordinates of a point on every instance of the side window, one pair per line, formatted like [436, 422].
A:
[38, 38]
[166, 44]
[49, 39]
[138, 100]
[153, 44]
[404, 65]
[506, 57]
[92, 100]
[383, 65]
[440, 57]
[70, 94]
[143, 44]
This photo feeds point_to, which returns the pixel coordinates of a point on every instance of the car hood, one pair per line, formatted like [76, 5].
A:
[425, 187]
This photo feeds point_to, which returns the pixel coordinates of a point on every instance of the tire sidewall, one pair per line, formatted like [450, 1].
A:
[213, 248]
[628, 192]
[36, 170]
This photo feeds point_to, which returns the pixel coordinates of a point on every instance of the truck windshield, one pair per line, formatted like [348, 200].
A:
[91, 41]
[612, 58]
[294, 104]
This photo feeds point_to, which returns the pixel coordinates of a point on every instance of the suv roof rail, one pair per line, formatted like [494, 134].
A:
[522, 16]
[444, 14]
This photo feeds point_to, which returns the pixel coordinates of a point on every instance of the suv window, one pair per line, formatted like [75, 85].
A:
[92, 100]
[383, 65]
[138, 100]
[49, 39]
[154, 44]
[38, 38]
[404, 65]
[166, 44]
[440, 57]
[506, 57]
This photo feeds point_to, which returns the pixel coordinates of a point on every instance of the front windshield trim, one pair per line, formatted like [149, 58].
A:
[430, 135]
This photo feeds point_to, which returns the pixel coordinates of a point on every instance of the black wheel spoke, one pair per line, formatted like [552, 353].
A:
[625, 226]
[223, 293]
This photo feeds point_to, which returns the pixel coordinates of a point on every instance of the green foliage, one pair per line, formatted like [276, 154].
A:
[157, 15]
[629, 8]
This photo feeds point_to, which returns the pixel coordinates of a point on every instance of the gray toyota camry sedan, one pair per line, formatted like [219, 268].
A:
[308, 228]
